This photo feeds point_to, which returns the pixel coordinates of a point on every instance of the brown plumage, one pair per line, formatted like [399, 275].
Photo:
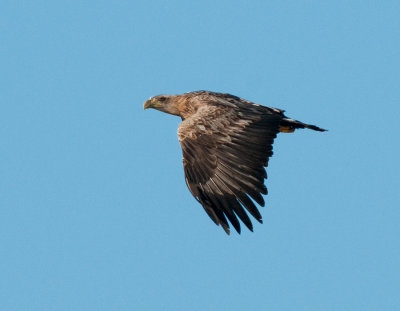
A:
[226, 143]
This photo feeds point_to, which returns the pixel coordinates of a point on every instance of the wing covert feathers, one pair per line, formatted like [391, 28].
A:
[224, 152]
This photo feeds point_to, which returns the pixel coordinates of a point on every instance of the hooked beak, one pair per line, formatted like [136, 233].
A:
[147, 104]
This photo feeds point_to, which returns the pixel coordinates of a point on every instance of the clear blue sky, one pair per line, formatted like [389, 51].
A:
[94, 210]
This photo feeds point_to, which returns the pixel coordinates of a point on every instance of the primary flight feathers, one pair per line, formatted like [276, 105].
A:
[226, 143]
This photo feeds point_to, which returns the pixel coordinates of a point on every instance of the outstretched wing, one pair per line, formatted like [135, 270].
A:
[225, 150]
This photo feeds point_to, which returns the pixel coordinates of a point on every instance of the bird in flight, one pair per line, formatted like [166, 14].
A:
[226, 142]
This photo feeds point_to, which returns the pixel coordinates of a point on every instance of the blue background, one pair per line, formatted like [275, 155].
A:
[95, 213]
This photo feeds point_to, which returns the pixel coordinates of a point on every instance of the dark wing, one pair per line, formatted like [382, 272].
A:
[225, 151]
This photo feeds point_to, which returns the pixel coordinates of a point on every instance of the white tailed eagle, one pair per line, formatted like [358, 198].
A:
[226, 143]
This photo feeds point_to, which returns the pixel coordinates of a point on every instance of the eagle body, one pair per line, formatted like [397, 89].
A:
[226, 142]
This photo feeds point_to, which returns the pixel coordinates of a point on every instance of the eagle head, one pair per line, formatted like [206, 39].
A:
[163, 102]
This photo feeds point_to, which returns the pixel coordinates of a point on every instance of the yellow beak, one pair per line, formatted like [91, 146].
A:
[147, 104]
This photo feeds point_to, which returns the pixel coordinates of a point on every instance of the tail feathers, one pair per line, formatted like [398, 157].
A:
[289, 125]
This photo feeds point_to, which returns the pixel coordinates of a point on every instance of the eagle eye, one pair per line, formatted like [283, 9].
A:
[162, 99]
